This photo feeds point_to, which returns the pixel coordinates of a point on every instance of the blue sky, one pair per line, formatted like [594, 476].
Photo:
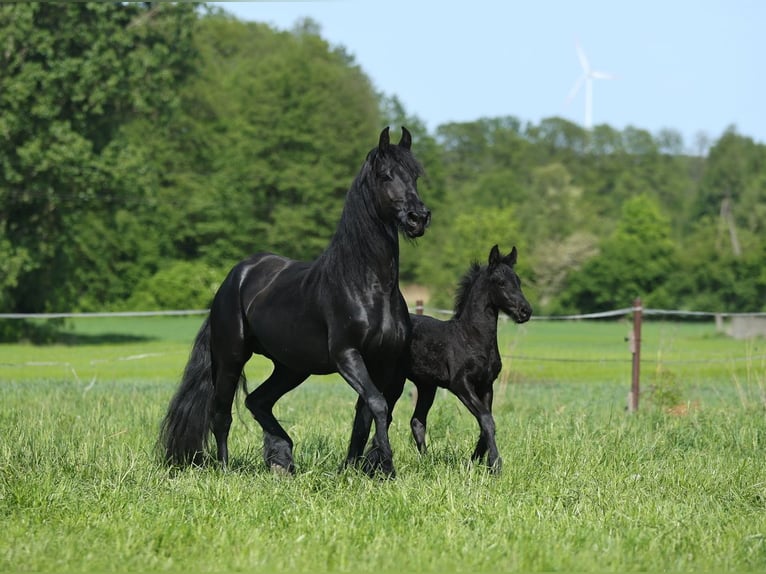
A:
[693, 66]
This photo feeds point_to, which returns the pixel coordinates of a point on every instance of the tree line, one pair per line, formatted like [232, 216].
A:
[147, 147]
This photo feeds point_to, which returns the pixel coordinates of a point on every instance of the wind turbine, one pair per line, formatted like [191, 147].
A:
[587, 77]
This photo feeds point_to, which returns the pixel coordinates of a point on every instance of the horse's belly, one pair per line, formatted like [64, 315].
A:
[298, 345]
[300, 358]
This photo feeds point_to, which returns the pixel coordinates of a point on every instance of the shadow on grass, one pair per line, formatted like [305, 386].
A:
[56, 331]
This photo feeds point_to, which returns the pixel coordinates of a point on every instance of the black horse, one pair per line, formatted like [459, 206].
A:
[342, 312]
[461, 354]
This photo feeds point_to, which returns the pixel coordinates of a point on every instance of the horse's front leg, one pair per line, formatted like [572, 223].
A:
[352, 368]
[393, 386]
[486, 443]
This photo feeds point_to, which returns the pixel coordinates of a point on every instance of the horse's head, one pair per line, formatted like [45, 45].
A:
[505, 286]
[395, 174]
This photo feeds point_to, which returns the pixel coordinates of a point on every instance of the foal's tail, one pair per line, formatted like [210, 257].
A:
[187, 424]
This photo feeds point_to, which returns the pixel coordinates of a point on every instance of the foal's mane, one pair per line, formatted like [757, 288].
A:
[464, 288]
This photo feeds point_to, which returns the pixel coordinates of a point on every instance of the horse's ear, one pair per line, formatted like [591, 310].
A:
[510, 259]
[406, 141]
[494, 256]
[384, 140]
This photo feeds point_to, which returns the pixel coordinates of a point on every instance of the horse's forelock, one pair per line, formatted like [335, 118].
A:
[397, 154]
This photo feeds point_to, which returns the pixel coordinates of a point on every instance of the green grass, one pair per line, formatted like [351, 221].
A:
[585, 485]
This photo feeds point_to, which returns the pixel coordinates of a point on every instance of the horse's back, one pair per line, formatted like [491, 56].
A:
[441, 353]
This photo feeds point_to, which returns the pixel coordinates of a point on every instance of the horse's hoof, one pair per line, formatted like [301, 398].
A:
[497, 466]
[376, 467]
[378, 472]
[350, 463]
[280, 470]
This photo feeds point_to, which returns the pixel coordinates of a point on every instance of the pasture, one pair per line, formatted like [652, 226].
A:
[678, 486]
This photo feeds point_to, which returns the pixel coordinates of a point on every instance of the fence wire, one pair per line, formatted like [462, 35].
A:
[447, 313]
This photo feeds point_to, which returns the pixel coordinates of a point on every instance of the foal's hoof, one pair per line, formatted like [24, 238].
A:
[279, 470]
[497, 466]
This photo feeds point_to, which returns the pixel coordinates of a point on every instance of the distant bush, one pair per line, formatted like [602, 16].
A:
[181, 285]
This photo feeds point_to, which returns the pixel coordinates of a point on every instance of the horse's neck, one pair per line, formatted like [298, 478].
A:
[363, 243]
[479, 315]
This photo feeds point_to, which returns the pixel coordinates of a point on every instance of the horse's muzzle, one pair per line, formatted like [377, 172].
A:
[416, 222]
[523, 314]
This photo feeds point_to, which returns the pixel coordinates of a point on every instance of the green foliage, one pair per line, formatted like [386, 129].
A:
[635, 261]
[282, 135]
[665, 390]
[735, 170]
[457, 241]
[134, 135]
[180, 285]
[712, 277]
[72, 74]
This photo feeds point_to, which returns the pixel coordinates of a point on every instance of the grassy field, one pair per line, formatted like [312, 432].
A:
[678, 486]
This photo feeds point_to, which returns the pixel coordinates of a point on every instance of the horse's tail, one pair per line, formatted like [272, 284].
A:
[187, 424]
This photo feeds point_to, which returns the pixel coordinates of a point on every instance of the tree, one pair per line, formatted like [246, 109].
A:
[735, 173]
[458, 240]
[431, 186]
[636, 260]
[710, 277]
[281, 123]
[72, 75]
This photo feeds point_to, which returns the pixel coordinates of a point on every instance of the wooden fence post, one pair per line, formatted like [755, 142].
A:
[635, 348]
[418, 311]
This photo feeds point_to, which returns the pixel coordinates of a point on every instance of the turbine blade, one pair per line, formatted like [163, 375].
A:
[575, 88]
[582, 57]
[602, 76]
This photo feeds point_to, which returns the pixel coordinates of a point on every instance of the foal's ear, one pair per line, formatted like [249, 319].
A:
[494, 256]
[510, 259]
[384, 140]
[406, 141]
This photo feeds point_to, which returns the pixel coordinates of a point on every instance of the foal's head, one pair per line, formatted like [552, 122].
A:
[505, 286]
[395, 174]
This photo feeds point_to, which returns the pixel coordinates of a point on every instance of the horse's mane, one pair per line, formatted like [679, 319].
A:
[464, 288]
[354, 227]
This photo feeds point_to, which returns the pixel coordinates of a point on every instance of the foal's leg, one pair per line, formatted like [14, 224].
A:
[352, 368]
[277, 444]
[426, 395]
[481, 408]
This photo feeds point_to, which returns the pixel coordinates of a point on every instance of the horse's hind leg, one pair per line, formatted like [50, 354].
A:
[426, 395]
[226, 377]
[360, 432]
[277, 444]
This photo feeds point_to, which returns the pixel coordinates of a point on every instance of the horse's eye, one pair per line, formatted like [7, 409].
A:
[386, 176]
